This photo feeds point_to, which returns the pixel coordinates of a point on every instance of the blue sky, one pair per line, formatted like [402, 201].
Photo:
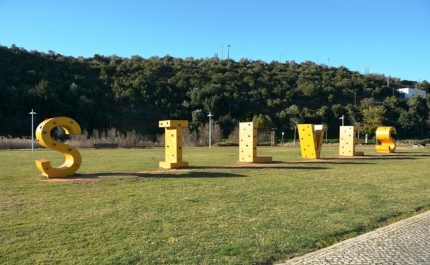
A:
[390, 37]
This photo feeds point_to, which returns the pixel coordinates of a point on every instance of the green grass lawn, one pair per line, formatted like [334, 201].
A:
[122, 209]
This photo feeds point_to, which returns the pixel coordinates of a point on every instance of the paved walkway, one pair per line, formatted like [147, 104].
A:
[404, 242]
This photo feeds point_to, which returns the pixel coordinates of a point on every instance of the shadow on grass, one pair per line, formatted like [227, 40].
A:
[189, 172]
[193, 171]
[413, 154]
[333, 161]
[342, 159]
[387, 157]
[159, 174]
[271, 165]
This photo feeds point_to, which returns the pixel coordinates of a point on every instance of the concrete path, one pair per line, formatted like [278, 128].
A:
[404, 242]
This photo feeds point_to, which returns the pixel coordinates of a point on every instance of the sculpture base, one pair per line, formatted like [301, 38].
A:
[170, 165]
[258, 159]
[263, 159]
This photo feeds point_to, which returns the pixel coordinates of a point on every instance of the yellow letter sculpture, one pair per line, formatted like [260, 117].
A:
[173, 143]
[311, 139]
[347, 141]
[383, 135]
[73, 157]
[248, 144]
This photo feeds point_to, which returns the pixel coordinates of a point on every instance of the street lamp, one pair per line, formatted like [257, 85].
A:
[282, 138]
[343, 119]
[210, 129]
[32, 113]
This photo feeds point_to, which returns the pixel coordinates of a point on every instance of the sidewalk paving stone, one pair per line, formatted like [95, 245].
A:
[401, 243]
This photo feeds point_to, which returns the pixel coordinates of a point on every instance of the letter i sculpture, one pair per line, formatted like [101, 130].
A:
[173, 143]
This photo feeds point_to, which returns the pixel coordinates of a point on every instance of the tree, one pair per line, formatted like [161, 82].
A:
[412, 121]
[294, 113]
[354, 114]
[197, 119]
[338, 111]
[326, 114]
[263, 122]
[373, 117]
[408, 121]
[367, 103]
[294, 121]
[41, 90]
[418, 105]
[227, 123]
[425, 86]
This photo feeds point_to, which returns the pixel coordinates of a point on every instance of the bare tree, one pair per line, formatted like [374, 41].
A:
[293, 125]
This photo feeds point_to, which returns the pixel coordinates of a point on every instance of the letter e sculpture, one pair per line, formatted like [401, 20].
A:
[248, 144]
[347, 141]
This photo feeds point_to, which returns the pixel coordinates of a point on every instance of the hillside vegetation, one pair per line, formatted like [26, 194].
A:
[133, 94]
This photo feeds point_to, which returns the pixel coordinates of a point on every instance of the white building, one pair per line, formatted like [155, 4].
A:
[408, 92]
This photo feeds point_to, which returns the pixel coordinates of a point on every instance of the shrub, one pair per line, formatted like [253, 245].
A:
[17, 143]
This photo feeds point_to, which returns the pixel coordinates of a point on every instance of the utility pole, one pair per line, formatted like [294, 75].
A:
[32, 113]
[210, 129]
[228, 51]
